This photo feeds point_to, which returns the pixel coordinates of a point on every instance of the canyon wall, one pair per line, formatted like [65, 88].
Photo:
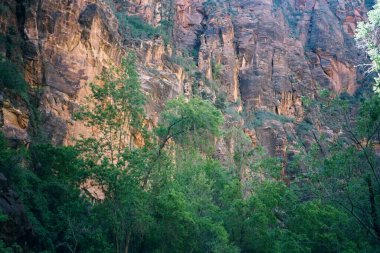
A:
[261, 56]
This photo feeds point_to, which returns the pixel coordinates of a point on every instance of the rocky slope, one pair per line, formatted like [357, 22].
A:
[260, 55]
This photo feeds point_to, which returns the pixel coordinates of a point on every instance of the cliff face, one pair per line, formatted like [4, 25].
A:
[262, 55]
[64, 45]
[274, 53]
[266, 56]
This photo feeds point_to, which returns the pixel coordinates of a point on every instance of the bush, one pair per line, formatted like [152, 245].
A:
[4, 10]
[216, 70]
[11, 77]
[304, 127]
[220, 101]
[262, 116]
[186, 62]
[136, 27]
[4, 248]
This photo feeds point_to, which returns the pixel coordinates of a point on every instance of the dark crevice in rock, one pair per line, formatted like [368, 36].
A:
[86, 18]
[20, 14]
[309, 45]
[221, 37]
[198, 42]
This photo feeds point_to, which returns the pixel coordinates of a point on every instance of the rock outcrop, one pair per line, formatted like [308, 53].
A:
[258, 60]
[274, 53]
[262, 55]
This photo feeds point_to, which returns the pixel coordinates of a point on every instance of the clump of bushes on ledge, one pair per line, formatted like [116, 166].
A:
[262, 116]
[11, 77]
[136, 27]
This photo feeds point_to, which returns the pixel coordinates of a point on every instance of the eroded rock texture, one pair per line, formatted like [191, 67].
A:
[273, 53]
[262, 55]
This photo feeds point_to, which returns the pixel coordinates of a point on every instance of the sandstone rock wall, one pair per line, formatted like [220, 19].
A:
[263, 55]
[274, 53]
[63, 46]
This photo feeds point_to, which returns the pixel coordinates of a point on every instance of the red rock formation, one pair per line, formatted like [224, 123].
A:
[266, 54]
[276, 52]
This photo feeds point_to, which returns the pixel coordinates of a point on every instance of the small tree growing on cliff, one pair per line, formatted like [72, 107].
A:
[115, 110]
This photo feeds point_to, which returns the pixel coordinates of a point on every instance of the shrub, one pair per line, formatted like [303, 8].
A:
[186, 62]
[216, 70]
[4, 10]
[262, 116]
[304, 127]
[220, 101]
[11, 77]
[136, 27]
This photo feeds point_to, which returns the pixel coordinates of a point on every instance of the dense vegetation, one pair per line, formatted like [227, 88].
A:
[144, 188]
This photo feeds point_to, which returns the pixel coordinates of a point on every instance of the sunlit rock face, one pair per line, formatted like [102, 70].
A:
[274, 53]
[64, 45]
[263, 55]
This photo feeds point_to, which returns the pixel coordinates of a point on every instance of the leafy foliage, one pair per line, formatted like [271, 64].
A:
[216, 70]
[262, 116]
[115, 108]
[136, 27]
[183, 120]
[171, 193]
[366, 38]
[11, 77]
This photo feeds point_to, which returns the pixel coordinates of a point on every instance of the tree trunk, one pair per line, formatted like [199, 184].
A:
[127, 240]
[372, 202]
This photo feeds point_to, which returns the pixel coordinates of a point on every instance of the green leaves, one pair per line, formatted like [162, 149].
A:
[135, 27]
[369, 118]
[170, 193]
[115, 109]
[116, 98]
[12, 78]
[193, 121]
[187, 207]
[367, 39]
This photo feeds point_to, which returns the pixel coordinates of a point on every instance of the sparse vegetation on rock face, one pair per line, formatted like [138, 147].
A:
[11, 77]
[188, 126]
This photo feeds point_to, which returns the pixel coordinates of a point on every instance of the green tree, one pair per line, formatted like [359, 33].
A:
[343, 172]
[366, 38]
[115, 110]
[193, 121]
